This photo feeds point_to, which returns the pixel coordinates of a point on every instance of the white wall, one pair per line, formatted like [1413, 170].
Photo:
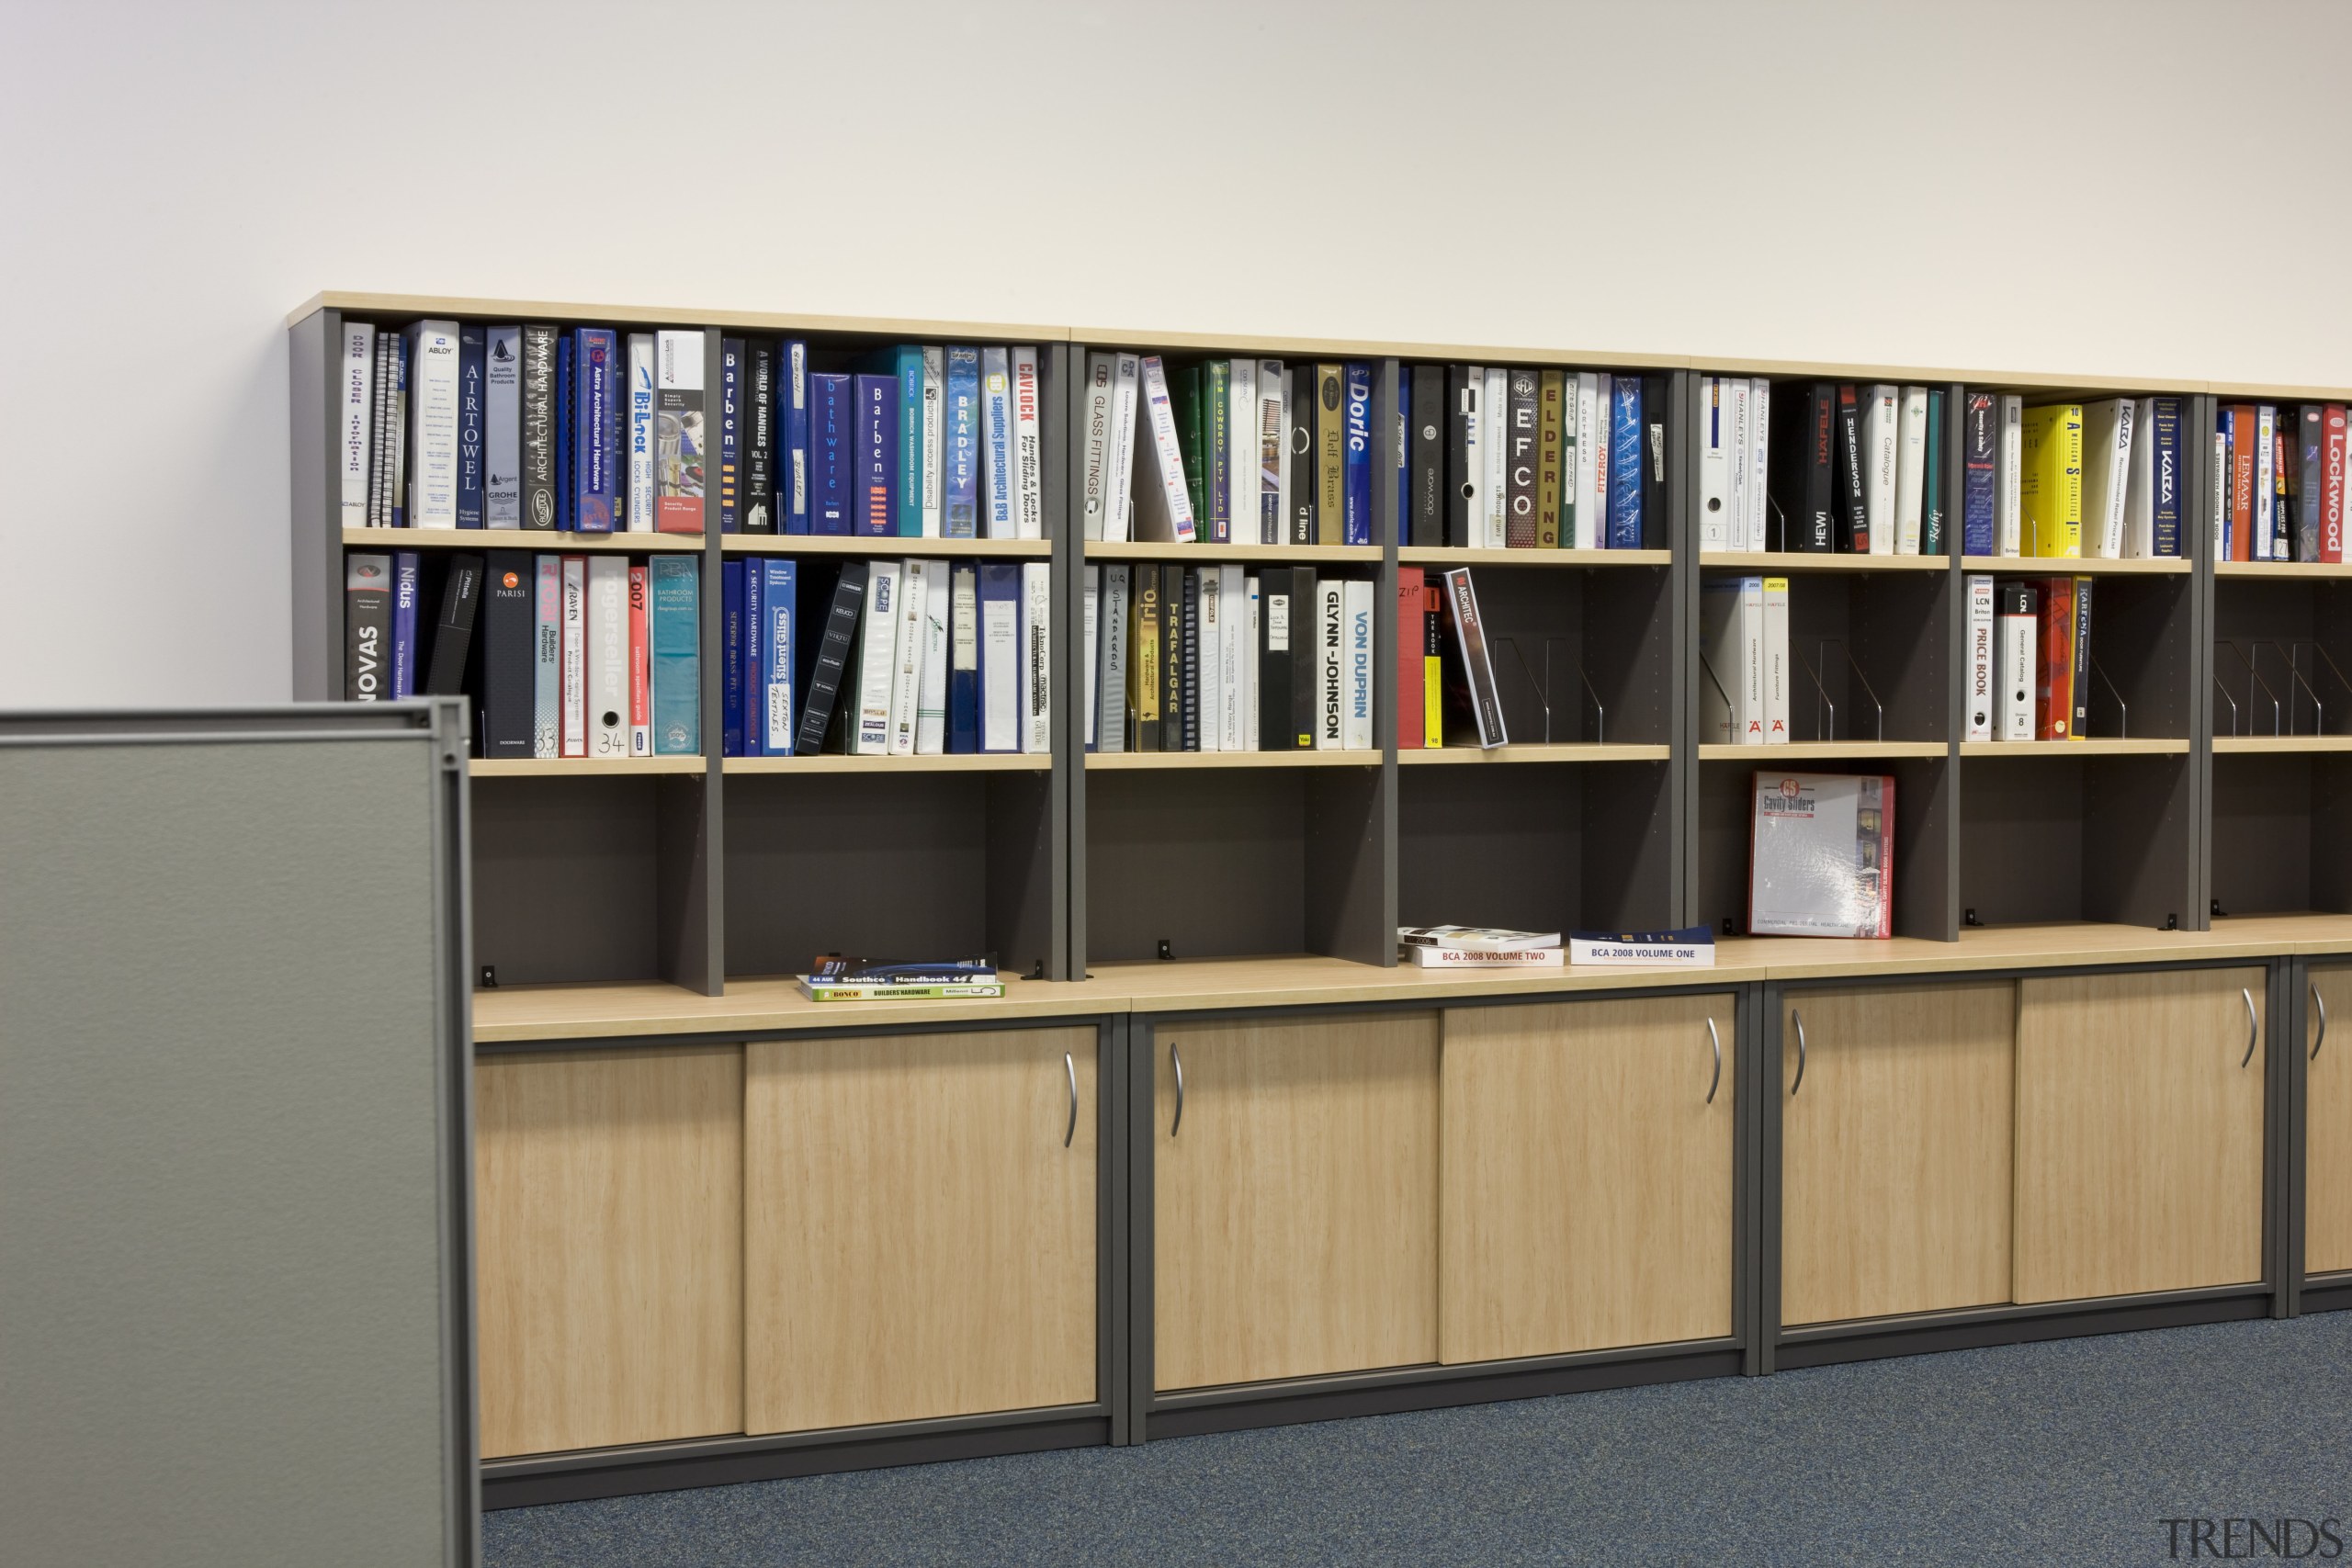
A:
[2090, 189]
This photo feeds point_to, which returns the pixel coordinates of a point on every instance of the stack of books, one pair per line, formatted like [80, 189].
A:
[839, 979]
[1860, 468]
[465, 425]
[1217, 658]
[1479, 947]
[1226, 451]
[894, 658]
[1744, 670]
[446, 424]
[2029, 673]
[2069, 480]
[2279, 482]
[563, 654]
[1501, 457]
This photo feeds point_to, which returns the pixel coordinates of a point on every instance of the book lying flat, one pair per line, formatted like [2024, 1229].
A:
[819, 990]
[1471, 938]
[1488, 958]
[1692, 947]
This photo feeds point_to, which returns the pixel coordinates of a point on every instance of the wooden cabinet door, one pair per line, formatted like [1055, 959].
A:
[1294, 1209]
[1585, 1176]
[918, 1241]
[608, 1246]
[2139, 1132]
[1894, 1150]
[2328, 1128]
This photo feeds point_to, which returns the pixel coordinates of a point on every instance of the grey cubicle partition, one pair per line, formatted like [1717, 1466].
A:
[236, 1298]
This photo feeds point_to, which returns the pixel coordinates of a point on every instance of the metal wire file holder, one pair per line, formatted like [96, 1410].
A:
[1823, 699]
[2284, 711]
[1543, 688]
[2115, 694]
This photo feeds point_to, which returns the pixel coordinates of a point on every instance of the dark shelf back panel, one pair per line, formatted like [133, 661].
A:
[570, 879]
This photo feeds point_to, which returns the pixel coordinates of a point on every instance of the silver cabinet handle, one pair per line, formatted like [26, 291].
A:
[2253, 1028]
[1178, 1060]
[1798, 1019]
[1069, 1065]
[1717, 1042]
[2321, 1003]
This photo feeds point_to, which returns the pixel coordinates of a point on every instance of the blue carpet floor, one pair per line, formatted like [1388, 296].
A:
[2070, 1452]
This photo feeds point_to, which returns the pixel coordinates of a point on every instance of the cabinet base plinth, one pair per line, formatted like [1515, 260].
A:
[723, 1462]
[2016, 1325]
[1192, 1413]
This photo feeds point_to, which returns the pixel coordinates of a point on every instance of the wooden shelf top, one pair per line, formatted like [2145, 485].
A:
[581, 767]
[2097, 746]
[2072, 565]
[636, 1011]
[1120, 761]
[2249, 392]
[888, 545]
[2289, 743]
[1201, 549]
[1820, 751]
[1448, 555]
[411, 306]
[2037, 386]
[2284, 570]
[538, 541]
[1146, 340]
[1777, 563]
[1535, 751]
[839, 762]
[559, 1014]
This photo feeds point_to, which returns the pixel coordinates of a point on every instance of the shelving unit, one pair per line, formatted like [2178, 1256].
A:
[643, 918]
[1606, 809]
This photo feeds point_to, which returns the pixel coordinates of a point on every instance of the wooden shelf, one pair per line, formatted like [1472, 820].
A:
[1535, 753]
[1293, 555]
[523, 1014]
[888, 545]
[408, 306]
[1163, 341]
[581, 767]
[2285, 570]
[632, 1011]
[2278, 743]
[837, 762]
[1115, 761]
[539, 541]
[2040, 387]
[2067, 566]
[1779, 562]
[1447, 555]
[2094, 746]
[1820, 751]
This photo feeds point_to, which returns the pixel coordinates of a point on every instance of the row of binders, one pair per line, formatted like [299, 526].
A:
[1226, 451]
[1215, 659]
[449, 425]
[1501, 457]
[1865, 469]
[2279, 482]
[563, 656]
[907, 658]
[2029, 668]
[2028, 650]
